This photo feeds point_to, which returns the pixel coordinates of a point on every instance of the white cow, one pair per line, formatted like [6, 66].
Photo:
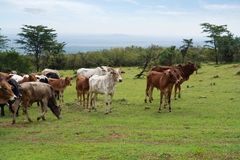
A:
[46, 71]
[104, 85]
[87, 72]
[19, 78]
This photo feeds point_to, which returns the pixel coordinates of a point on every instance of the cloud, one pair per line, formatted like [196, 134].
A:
[132, 1]
[34, 10]
[221, 7]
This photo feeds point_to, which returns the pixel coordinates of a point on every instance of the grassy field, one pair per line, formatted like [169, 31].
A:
[203, 124]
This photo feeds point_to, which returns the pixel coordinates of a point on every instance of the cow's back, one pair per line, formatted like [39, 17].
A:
[35, 91]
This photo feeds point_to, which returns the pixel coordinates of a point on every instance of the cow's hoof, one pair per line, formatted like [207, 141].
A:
[170, 110]
[38, 118]
[159, 111]
[13, 122]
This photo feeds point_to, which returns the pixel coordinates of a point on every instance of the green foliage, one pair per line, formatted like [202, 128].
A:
[214, 33]
[197, 128]
[12, 60]
[228, 47]
[167, 57]
[37, 39]
[187, 43]
[3, 42]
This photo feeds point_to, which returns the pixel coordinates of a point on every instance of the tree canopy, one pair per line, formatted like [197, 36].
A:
[3, 41]
[37, 39]
[214, 33]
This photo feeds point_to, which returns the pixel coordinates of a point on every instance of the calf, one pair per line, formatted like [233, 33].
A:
[104, 85]
[37, 92]
[60, 85]
[82, 87]
[164, 82]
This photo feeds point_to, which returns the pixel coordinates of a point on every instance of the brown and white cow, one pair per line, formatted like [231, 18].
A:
[104, 85]
[60, 85]
[162, 81]
[185, 71]
[6, 92]
[37, 92]
[82, 87]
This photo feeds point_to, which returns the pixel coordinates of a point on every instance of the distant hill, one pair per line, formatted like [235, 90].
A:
[85, 43]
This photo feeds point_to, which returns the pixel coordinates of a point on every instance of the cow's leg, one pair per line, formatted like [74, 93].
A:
[44, 110]
[15, 108]
[2, 110]
[161, 97]
[175, 91]
[90, 101]
[87, 100]
[83, 99]
[179, 92]
[94, 101]
[110, 103]
[166, 99]
[146, 93]
[150, 94]
[169, 101]
[25, 106]
[107, 104]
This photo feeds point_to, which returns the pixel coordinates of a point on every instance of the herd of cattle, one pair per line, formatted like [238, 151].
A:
[47, 88]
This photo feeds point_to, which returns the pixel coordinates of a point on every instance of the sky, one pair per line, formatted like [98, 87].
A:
[131, 17]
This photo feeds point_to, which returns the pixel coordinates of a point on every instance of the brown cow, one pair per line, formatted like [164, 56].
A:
[82, 87]
[6, 76]
[28, 78]
[37, 92]
[6, 92]
[60, 85]
[185, 71]
[176, 73]
[164, 82]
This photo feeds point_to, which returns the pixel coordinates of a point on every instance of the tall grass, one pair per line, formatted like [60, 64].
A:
[203, 124]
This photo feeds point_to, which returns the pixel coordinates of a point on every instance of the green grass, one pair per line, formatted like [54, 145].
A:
[197, 128]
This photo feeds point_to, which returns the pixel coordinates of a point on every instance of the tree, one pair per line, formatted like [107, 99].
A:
[167, 56]
[149, 58]
[3, 41]
[215, 32]
[184, 48]
[12, 60]
[229, 47]
[37, 39]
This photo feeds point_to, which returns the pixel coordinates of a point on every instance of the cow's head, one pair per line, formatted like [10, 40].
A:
[6, 93]
[68, 81]
[178, 75]
[172, 77]
[192, 66]
[116, 73]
